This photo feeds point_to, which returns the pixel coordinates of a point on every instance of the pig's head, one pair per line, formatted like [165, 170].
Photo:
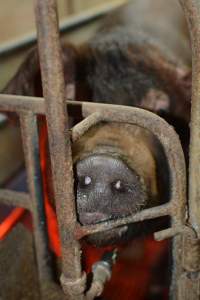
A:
[116, 176]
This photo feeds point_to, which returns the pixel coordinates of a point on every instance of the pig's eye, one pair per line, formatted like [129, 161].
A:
[85, 181]
[119, 186]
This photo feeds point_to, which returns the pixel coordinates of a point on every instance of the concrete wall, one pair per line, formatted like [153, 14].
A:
[17, 17]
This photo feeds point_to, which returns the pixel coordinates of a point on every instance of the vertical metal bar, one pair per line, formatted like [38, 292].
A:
[31, 152]
[189, 283]
[59, 143]
[192, 13]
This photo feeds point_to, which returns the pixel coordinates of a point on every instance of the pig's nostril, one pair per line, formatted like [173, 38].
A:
[87, 180]
[118, 186]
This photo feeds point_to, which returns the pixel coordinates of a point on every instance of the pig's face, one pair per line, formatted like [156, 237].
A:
[109, 184]
[107, 189]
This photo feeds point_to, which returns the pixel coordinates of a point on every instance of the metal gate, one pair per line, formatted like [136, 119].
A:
[185, 216]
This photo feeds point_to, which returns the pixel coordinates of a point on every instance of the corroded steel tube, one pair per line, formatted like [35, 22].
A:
[59, 143]
[31, 152]
[192, 13]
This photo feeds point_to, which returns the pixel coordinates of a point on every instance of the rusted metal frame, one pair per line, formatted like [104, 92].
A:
[15, 103]
[72, 279]
[178, 214]
[93, 113]
[12, 198]
[167, 137]
[174, 154]
[28, 122]
[175, 157]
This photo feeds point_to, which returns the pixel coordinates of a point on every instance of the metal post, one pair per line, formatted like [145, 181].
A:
[59, 142]
[189, 287]
[31, 152]
[192, 13]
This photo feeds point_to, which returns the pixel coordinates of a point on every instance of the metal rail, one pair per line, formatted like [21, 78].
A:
[192, 13]
[190, 286]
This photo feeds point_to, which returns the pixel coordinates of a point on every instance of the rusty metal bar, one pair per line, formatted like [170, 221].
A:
[13, 198]
[192, 13]
[146, 214]
[73, 281]
[17, 103]
[31, 151]
[189, 282]
[79, 129]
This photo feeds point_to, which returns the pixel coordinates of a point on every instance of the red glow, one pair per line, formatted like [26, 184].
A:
[52, 225]
[7, 225]
[132, 274]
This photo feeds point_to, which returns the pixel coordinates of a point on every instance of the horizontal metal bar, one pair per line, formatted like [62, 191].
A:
[68, 24]
[36, 105]
[146, 214]
[15, 103]
[12, 198]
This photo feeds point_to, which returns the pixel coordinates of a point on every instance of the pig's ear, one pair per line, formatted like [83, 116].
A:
[27, 80]
[156, 101]
[24, 80]
[174, 98]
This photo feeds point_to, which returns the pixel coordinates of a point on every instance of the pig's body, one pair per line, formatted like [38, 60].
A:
[140, 57]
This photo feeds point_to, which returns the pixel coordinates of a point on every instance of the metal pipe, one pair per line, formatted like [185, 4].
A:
[146, 214]
[18, 199]
[59, 144]
[32, 160]
[16, 103]
[192, 13]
